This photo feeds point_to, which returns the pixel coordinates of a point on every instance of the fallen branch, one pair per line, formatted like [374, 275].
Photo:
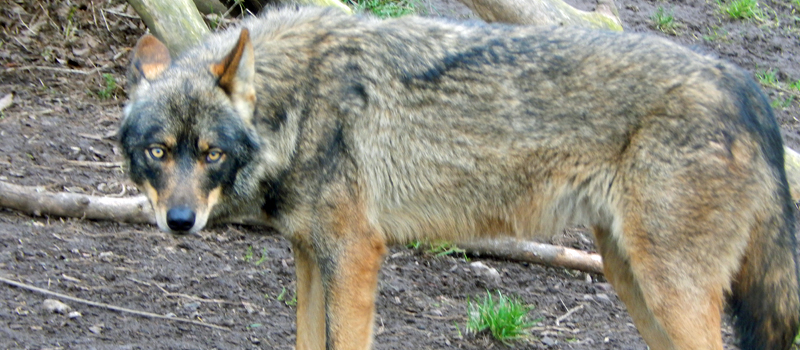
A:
[37, 202]
[539, 253]
[568, 314]
[106, 306]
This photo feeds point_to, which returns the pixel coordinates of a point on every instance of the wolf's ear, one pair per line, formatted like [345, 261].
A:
[236, 74]
[150, 59]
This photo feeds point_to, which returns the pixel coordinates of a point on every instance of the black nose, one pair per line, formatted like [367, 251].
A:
[180, 219]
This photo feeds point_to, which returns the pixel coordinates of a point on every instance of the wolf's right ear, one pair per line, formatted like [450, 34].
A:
[150, 59]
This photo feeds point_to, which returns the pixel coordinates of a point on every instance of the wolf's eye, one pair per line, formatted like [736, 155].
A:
[155, 152]
[213, 156]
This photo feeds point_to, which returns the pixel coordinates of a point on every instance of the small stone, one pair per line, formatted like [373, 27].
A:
[73, 315]
[192, 306]
[482, 270]
[603, 287]
[549, 341]
[52, 305]
[106, 256]
[603, 297]
[96, 329]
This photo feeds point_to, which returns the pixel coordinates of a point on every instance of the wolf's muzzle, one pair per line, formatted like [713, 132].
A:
[180, 219]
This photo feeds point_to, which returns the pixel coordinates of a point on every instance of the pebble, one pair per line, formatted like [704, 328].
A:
[106, 256]
[96, 329]
[603, 297]
[549, 341]
[52, 305]
[482, 270]
[73, 315]
[603, 287]
[192, 306]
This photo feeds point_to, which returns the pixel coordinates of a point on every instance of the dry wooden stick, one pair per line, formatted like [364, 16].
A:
[37, 202]
[539, 253]
[106, 306]
[568, 314]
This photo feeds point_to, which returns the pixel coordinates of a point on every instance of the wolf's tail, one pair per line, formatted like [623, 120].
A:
[766, 294]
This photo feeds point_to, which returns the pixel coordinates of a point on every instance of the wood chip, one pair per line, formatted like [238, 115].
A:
[6, 101]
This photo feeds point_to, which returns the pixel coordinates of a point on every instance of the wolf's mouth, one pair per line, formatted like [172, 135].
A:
[181, 218]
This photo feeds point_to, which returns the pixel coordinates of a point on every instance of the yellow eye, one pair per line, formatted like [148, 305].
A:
[213, 156]
[155, 152]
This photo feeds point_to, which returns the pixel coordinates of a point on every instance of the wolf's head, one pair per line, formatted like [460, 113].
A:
[186, 133]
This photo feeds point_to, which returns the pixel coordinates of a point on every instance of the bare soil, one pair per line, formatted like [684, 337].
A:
[59, 134]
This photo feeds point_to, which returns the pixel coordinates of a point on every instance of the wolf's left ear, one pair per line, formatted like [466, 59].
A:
[236, 73]
[150, 59]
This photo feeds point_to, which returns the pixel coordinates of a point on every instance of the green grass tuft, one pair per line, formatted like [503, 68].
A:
[386, 8]
[110, 88]
[250, 255]
[289, 302]
[768, 77]
[665, 22]
[446, 248]
[505, 318]
[742, 9]
[716, 34]
[782, 103]
[797, 337]
[438, 249]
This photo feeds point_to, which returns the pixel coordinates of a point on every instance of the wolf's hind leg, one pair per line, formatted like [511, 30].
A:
[668, 312]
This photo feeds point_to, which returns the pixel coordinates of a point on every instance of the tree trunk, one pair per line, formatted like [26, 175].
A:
[177, 23]
[208, 7]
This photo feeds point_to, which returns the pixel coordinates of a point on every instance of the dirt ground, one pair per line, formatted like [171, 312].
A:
[60, 60]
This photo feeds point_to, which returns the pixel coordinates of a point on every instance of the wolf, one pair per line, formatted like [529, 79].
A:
[350, 133]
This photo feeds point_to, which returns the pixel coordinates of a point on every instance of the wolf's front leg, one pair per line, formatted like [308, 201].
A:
[310, 300]
[350, 287]
[336, 284]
